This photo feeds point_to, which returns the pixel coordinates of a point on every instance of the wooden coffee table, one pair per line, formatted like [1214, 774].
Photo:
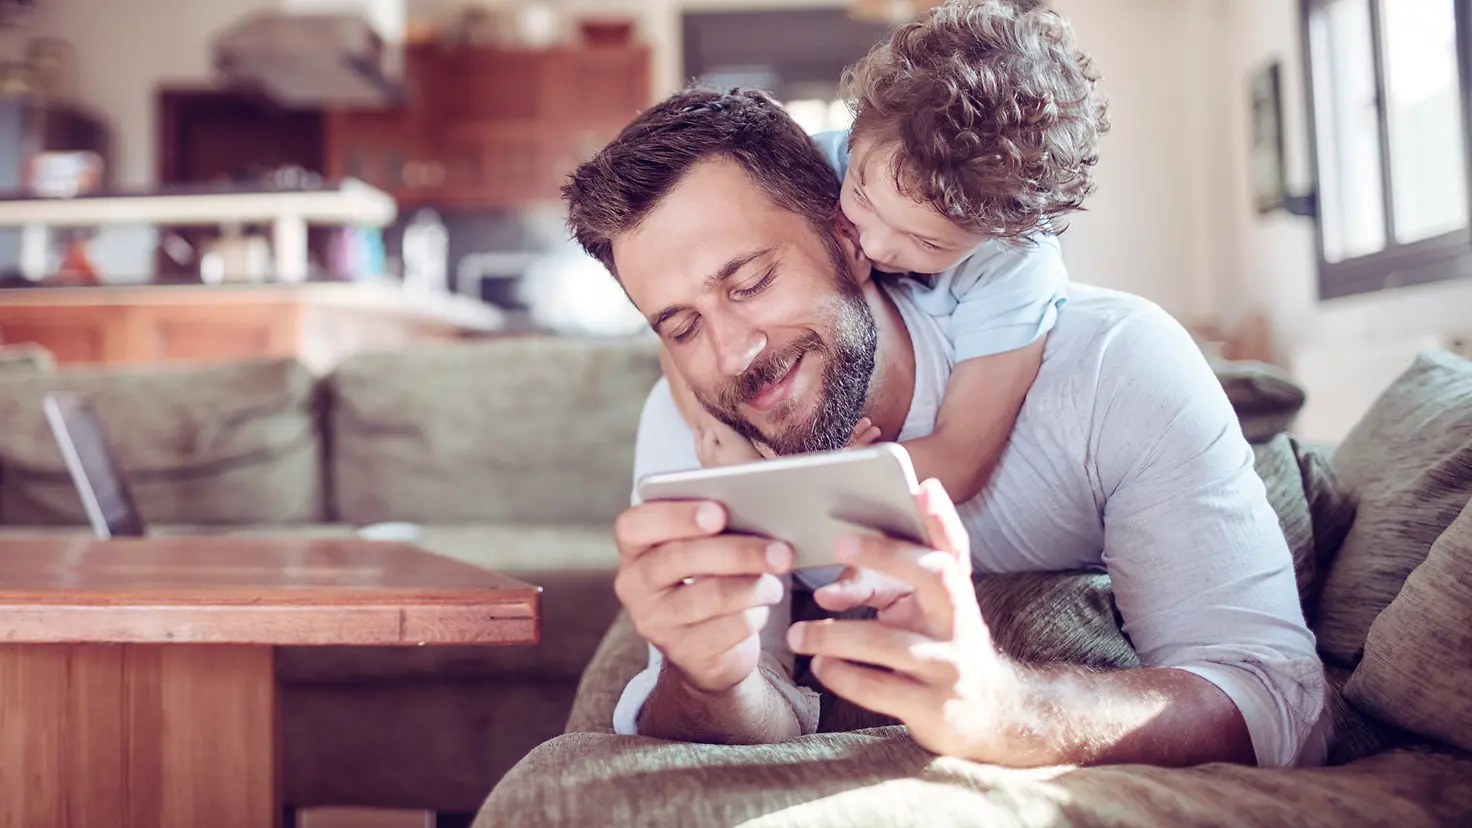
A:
[137, 685]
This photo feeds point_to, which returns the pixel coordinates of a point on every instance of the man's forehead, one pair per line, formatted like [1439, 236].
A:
[715, 213]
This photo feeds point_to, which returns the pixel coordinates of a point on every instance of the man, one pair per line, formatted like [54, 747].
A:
[717, 215]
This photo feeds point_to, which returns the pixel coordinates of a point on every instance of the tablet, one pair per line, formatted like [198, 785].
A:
[104, 492]
[808, 500]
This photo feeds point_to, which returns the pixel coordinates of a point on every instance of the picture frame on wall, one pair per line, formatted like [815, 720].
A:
[1269, 184]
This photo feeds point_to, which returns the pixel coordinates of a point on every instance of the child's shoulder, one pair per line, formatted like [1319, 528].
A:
[1037, 263]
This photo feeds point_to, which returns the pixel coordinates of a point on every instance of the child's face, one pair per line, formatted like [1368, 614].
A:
[898, 234]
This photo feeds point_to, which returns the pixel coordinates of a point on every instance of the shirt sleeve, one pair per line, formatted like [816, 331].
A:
[1201, 571]
[665, 443]
[1006, 296]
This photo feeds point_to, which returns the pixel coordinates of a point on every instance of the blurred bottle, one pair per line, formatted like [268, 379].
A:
[426, 252]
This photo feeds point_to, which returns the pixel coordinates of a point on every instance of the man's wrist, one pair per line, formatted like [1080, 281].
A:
[1027, 731]
[749, 712]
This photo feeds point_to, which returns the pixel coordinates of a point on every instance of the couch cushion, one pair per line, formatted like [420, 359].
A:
[1266, 400]
[224, 444]
[1315, 510]
[881, 777]
[24, 359]
[1409, 464]
[533, 429]
[1417, 669]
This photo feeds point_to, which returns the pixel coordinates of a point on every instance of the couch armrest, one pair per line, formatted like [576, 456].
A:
[619, 657]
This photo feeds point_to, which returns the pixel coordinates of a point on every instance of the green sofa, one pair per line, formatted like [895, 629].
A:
[1381, 534]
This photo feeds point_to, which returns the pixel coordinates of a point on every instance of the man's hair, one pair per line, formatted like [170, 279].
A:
[614, 192]
[993, 110]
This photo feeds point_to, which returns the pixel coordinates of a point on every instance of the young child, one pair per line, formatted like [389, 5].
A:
[975, 129]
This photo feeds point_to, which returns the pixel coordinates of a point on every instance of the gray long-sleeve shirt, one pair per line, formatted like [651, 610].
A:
[1126, 457]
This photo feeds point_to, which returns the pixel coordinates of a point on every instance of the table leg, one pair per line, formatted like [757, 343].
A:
[138, 735]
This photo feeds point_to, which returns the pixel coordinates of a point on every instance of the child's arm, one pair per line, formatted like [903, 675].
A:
[716, 443]
[980, 406]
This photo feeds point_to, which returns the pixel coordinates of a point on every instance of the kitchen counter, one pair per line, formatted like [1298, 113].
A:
[287, 211]
[318, 323]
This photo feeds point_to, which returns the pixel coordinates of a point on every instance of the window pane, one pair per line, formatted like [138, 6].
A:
[1428, 179]
[1348, 130]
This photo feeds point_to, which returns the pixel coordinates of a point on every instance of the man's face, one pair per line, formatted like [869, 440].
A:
[762, 314]
[898, 234]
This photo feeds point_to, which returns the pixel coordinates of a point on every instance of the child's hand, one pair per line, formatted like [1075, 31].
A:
[717, 444]
[865, 434]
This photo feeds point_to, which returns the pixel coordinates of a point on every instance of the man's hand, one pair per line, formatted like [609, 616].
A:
[699, 596]
[946, 680]
[943, 676]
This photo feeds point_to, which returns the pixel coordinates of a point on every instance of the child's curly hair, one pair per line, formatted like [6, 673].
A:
[995, 112]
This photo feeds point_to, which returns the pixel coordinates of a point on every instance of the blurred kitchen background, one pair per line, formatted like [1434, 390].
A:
[206, 179]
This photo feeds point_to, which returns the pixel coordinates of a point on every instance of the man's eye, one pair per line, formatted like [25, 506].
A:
[683, 335]
[744, 293]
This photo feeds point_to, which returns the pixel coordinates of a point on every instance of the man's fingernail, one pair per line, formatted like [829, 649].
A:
[846, 547]
[779, 554]
[795, 636]
[708, 517]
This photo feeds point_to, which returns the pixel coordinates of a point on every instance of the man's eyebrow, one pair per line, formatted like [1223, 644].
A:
[726, 271]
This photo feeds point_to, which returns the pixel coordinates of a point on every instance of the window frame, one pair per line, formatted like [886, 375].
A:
[1435, 259]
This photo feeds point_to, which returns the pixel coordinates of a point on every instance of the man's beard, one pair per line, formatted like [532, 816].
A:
[849, 354]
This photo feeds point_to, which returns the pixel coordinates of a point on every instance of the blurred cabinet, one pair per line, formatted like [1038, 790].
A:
[490, 128]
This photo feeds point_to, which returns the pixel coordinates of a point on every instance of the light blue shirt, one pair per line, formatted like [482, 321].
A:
[998, 299]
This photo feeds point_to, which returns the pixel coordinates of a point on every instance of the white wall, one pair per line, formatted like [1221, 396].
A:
[1345, 350]
[1148, 228]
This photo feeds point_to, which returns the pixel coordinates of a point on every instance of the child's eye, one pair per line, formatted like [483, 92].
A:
[925, 245]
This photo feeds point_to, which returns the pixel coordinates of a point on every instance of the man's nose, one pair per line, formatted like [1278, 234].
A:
[737, 346]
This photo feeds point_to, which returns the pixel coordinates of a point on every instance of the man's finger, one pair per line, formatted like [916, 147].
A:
[671, 564]
[943, 526]
[864, 641]
[641, 527]
[860, 588]
[849, 591]
[721, 595]
[889, 694]
[934, 574]
[714, 637]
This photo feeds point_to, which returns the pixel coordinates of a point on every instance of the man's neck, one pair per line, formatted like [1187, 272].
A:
[892, 387]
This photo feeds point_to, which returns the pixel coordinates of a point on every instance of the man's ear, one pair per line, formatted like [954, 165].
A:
[848, 242]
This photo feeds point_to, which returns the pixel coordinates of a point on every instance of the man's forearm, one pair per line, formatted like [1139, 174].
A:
[1153, 716]
[752, 712]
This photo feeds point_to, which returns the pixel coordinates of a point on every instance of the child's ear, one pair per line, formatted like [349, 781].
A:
[848, 242]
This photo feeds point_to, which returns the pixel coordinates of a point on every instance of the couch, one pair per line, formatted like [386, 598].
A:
[512, 454]
[1381, 535]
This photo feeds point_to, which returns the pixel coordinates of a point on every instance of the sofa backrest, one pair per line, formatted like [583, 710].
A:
[226, 444]
[534, 429]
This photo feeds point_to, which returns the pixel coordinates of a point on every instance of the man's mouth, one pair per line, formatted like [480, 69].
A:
[778, 391]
